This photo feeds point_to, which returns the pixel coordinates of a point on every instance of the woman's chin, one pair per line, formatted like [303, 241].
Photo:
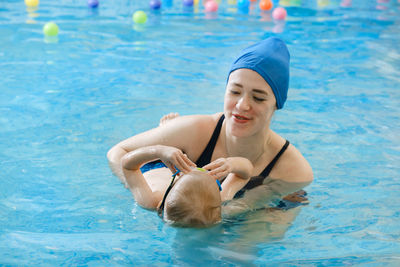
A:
[239, 132]
[239, 128]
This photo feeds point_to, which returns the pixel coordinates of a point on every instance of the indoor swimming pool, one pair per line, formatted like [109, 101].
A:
[65, 101]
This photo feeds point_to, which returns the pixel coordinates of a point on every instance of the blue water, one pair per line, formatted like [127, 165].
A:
[65, 102]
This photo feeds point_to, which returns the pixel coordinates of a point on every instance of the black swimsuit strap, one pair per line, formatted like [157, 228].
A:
[268, 169]
[205, 157]
[259, 180]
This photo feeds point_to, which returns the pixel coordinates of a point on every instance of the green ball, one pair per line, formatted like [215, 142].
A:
[50, 29]
[139, 17]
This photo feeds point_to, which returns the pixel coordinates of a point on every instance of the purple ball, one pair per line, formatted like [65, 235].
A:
[93, 3]
[155, 4]
[187, 2]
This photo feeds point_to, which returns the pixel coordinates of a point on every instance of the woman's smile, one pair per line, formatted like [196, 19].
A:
[240, 118]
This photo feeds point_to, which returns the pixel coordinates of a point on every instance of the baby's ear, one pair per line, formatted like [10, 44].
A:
[213, 214]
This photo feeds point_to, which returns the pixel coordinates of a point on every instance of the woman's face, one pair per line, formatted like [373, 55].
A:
[249, 103]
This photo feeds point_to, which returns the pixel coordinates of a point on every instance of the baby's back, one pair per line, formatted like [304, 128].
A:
[158, 179]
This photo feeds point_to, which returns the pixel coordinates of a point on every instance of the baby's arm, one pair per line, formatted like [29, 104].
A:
[135, 180]
[138, 185]
[221, 167]
[237, 171]
[231, 185]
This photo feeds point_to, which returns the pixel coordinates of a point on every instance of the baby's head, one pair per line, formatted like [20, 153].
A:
[193, 201]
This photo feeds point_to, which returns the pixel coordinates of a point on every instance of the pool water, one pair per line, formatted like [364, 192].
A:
[65, 101]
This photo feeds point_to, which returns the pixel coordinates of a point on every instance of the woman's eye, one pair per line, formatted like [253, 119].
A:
[235, 92]
[258, 99]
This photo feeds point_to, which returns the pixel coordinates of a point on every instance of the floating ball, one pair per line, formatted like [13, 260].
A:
[295, 2]
[253, 0]
[50, 29]
[155, 4]
[31, 3]
[285, 2]
[266, 5]
[279, 13]
[93, 3]
[187, 2]
[345, 3]
[243, 4]
[211, 6]
[139, 17]
[323, 3]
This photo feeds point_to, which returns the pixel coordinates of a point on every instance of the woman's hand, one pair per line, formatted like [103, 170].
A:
[219, 168]
[174, 158]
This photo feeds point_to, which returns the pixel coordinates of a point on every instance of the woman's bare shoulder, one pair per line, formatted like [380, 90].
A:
[196, 130]
[191, 124]
[293, 167]
[195, 119]
[188, 133]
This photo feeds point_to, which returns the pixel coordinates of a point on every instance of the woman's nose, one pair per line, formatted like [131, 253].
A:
[243, 103]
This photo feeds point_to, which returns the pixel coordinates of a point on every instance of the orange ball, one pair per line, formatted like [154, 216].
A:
[266, 4]
[253, 0]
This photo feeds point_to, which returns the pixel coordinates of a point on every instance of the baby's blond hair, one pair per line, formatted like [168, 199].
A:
[194, 201]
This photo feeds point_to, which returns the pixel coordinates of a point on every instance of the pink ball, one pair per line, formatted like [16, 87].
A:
[279, 13]
[345, 3]
[211, 6]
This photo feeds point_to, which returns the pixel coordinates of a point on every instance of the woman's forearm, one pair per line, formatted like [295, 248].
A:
[114, 157]
[262, 196]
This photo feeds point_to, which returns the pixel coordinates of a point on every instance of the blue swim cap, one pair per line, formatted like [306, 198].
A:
[269, 58]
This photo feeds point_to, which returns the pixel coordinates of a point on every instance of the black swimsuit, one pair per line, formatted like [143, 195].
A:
[205, 158]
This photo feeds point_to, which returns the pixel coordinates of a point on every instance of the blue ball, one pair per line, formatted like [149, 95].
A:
[187, 2]
[243, 4]
[155, 4]
[93, 3]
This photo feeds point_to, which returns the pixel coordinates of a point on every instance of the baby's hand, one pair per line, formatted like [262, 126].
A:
[219, 168]
[174, 157]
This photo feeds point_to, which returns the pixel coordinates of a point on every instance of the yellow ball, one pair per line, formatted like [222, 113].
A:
[284, 2]
[139, 17]
[31, 3]
[323, 3]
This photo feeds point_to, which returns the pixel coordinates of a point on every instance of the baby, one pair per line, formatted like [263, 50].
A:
[193, 197]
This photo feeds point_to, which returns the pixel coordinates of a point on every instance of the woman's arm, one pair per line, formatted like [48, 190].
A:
[114, 156]
[187, 133]
[135, 180]
[261, 196]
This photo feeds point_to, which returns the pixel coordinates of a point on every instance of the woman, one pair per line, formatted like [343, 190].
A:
[257, 85]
